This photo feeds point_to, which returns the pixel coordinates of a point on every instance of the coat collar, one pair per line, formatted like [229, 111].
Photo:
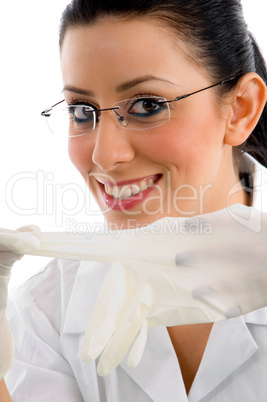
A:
[83, 296]
[158, 372]
[230, 345]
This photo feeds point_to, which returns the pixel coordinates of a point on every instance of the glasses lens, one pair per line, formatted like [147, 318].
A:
[142, 113]
[71, 120]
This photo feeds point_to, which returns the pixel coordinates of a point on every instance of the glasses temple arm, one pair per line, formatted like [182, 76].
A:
[204, 89]
[47, 111]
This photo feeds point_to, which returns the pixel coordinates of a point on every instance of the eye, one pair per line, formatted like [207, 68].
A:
[81, 113]
[146, 107]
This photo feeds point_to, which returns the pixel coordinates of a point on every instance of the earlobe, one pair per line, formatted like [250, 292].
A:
[247, 106]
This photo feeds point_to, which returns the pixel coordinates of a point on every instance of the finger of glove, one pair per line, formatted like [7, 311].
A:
[101, 327]
[138, 347]
[29, 228]
[216, 305]
[7, 259]
[236, 280]
[18, 242]
[225, 301]
[112, 304]
[122, 340]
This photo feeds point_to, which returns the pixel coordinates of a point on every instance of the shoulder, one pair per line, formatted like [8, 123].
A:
[56, 277]
[250, 167]
[48, 282]
[40, 296]
[249, 164]
[35, 313]
[48, 293]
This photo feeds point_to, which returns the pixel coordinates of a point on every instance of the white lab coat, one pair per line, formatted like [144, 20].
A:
[48, 316]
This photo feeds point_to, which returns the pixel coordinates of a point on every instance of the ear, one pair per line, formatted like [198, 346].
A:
[249, 99]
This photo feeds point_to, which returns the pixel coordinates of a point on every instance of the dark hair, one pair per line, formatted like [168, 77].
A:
[215, 31]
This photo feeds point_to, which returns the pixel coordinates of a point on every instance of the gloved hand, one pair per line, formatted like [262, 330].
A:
[210, 277]
[12, 245]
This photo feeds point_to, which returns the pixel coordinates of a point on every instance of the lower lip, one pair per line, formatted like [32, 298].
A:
[127, 204]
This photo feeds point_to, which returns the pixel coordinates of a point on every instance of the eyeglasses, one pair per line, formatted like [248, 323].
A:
[138, 113]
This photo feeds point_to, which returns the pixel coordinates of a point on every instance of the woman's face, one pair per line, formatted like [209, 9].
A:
[182, 168]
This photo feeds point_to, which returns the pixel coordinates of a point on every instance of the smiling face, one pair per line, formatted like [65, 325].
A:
[181, 168]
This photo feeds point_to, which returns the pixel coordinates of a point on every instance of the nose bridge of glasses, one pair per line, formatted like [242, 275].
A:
[116, 112]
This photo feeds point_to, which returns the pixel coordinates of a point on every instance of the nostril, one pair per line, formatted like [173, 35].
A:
[111, 145]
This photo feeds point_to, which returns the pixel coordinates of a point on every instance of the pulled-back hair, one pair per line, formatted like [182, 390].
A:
[214, 30]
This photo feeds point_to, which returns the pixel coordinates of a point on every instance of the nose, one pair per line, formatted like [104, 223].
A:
[112, 145]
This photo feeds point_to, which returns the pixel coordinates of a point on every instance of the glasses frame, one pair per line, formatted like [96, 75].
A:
[47, 112]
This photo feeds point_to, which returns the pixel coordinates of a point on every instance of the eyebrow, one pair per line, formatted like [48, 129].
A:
[80, 91]
[130, 84]
[120, 88]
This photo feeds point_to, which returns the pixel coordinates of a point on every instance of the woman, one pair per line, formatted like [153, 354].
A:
[148, 152]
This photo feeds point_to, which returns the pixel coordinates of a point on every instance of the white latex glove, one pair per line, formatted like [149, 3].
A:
[165, 275]
[201, 278]
[12, 245]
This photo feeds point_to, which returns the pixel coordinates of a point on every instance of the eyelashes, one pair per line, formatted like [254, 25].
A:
[87, 102]
[144, 95]
[73, 101]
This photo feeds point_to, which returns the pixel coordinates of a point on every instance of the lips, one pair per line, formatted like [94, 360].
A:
[130, 190]
[126, 195]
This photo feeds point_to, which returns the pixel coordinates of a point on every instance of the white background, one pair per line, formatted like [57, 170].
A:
[30, 81]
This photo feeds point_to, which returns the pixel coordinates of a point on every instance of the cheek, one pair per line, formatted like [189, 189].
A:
[174, 143]
[80, 153]
[190, 143]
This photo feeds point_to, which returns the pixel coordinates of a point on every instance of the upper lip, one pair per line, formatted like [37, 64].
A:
[113, 182]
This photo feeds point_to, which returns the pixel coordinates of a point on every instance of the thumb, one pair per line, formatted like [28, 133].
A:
[17, 241]
[29, 228]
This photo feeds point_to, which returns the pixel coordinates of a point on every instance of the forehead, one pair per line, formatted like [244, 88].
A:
[112, 50]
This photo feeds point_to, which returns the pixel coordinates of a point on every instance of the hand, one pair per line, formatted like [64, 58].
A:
[211, 277]
[12, 243]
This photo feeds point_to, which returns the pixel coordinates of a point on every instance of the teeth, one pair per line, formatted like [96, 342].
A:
[115, 192]
[135, 189]
[125, 192]
[143, 185]
[108, 189]
[128, 191]
[150, 183]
